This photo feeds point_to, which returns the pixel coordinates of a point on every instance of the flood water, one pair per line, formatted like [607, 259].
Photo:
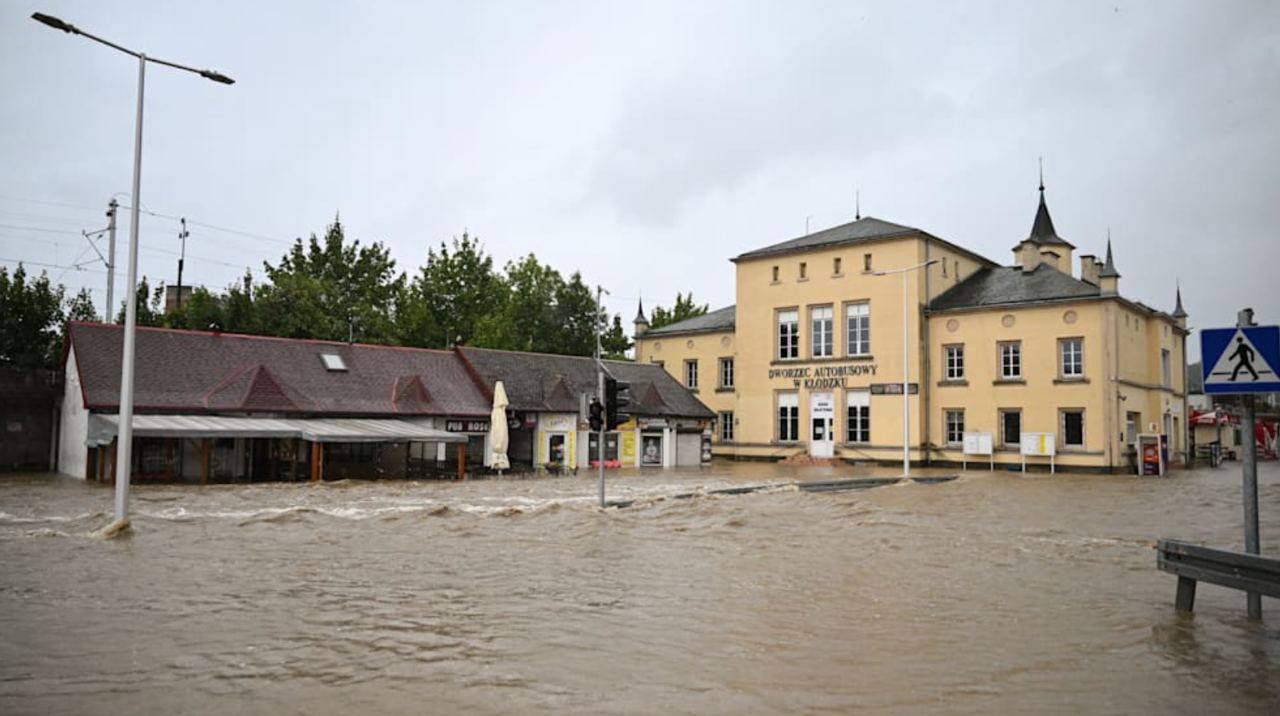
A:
[995, 592]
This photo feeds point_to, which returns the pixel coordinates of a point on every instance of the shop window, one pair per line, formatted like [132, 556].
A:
[953, 424]
[821, 320]
[1073, 428]
[726, 373]
[858, 329]
[788, 335]
[1011, 427]
[788, 417]
[953, 361]
[1071, 357]
[726, 425]
[1010, 360]
[691, 374]
[858, 416]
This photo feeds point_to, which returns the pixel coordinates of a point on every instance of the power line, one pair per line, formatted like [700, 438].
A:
[43, 264]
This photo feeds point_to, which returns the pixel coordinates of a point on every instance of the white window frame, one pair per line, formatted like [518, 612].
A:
[857, 412]
[953, 361]
[726, 426]
[788, 334]
[953, 430]
[691, 373]
[1166, 367]
[1010, 354]
[822, 326]
[1070, 358]
[857, 328]
[788, 425]
[726, 373]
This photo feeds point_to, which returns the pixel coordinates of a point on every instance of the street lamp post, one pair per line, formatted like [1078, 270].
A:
[125, 431]
[906, 363]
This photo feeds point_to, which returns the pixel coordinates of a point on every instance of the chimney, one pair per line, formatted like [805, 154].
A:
[1050, 257]
[1089, 269]
[1028, 256]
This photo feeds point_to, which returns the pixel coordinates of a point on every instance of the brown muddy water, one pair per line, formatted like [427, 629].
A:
[992, 593]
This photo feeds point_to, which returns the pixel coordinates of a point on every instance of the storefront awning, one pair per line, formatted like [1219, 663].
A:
[103, 429]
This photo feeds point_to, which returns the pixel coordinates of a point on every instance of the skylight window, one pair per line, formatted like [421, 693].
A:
[333, 362]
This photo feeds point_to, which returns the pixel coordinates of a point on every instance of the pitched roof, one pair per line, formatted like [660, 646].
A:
[1109, 267]
[865, 229]
[202, 372]
[552, 383]
[1042, 231]
[1010, 284]
[721, 319]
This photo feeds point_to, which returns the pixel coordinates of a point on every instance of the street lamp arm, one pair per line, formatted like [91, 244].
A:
[891, 272]
[67, 27]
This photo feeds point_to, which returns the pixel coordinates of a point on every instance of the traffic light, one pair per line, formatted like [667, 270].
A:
[617, 398]
[596, 413]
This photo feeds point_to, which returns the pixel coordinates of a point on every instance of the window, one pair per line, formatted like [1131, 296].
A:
[857, 323]
[957, 270]
[1011, 427]
[1131, 422]
[788, 417]
[333, 362]
[1011, 360]
[775, 274]
[726, 425]
[820, 320]
[788, 334]
[804, 270]
[953, 362]
[1073, 428]
[944, 268]
[953, 426]
[858, 416]
[1166, 369]
[866, 262]
[691, 374]
[835, 266]
[726, 373]
[1071, 352]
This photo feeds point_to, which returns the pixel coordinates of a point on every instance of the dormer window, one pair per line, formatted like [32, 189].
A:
[333, 362]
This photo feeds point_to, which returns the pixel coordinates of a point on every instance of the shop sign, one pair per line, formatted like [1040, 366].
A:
[646, 423]
[466, 426]
[823, 376]
[894, 388]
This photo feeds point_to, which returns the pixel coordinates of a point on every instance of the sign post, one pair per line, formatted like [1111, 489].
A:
[1243, 360]
[978, 444]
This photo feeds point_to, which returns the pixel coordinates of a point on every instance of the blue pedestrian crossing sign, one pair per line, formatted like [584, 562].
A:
[1241, 360]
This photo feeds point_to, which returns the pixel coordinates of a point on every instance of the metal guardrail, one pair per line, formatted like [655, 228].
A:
[1192, 563]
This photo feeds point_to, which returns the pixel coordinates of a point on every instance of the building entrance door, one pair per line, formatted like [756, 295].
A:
[822, 413]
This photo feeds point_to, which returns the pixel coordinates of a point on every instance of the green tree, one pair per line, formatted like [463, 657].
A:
[615, 341]
[331, 290]
[30, 319]
[573, 330]
[684, 309]
[451, 295]
[149, 313]
[80, 307]
[526, 320]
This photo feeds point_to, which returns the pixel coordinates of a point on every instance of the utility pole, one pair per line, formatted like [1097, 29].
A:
[1252, 543]
[182, 236]
[600, 396]
[111, 261]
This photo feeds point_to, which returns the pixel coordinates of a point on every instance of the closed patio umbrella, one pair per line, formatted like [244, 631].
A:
[498, 429]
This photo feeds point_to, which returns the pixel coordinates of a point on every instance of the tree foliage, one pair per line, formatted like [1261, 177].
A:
[683, 309]
[30, 317]
[450, 297]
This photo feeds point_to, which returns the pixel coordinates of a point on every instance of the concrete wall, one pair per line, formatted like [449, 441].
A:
[74, 428]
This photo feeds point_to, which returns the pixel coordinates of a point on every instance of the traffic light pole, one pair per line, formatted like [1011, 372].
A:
[600, 397]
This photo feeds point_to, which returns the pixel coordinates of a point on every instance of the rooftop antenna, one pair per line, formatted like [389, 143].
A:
[806, 224]
[857, 205]
[1041, 175]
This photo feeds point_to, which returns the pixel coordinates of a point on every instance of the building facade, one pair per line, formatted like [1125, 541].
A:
[828, 327]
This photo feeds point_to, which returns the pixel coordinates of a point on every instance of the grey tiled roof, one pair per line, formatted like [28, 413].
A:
[551, 383]
[864, 229]
[721, 319]
[1010, 284]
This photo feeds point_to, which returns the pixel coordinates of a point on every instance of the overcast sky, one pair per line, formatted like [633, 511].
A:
[647, 143]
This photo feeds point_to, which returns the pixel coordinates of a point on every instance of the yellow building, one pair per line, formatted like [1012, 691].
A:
[810, 360]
